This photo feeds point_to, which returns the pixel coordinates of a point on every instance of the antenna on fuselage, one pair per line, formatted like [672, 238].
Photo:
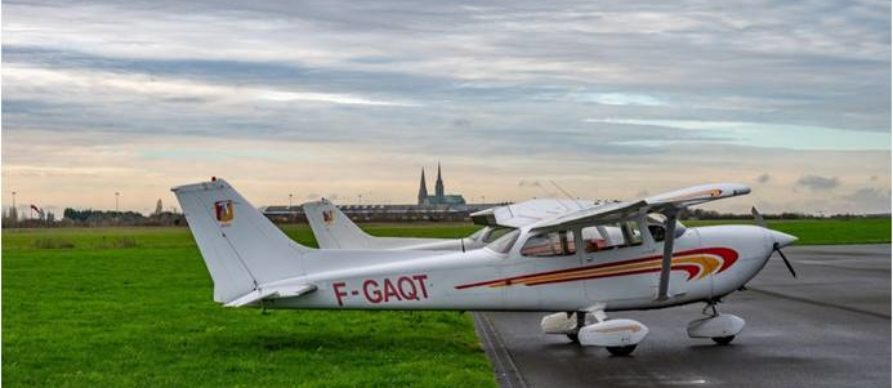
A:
[571, 197]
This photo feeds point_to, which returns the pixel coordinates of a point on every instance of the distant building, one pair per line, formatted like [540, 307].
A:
[437, 207]
[439, 198]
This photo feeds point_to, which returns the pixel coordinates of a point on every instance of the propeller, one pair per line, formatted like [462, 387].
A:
[776, 246]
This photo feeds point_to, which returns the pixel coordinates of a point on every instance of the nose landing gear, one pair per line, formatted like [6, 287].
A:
[721, 328]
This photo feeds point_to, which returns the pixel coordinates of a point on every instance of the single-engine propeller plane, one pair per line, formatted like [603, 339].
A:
[580, 265]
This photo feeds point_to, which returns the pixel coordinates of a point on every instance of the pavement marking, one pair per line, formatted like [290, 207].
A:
[504, 366]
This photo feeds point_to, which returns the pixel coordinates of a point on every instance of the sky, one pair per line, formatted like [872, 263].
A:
[349, 100]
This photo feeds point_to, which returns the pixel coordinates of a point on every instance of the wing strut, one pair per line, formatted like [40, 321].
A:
[667, 261]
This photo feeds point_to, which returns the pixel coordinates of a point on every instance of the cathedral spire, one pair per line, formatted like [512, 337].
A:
[438, 186]
[423, 189]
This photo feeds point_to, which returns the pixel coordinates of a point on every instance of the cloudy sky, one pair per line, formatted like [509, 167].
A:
[608, 99]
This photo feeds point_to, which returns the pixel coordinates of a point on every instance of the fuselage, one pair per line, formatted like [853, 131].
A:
[708, 263]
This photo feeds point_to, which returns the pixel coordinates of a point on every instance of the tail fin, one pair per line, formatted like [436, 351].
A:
[333, 229]
[240, 246]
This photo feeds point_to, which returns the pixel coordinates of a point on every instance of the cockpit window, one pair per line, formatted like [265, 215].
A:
[611, 236]
[657, 225]
[504, 243]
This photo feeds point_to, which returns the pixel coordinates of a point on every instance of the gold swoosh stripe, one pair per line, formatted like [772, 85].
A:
[707, 265]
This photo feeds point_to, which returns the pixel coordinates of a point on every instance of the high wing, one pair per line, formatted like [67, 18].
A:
[529, 212]
[668, 204]
[662, 203]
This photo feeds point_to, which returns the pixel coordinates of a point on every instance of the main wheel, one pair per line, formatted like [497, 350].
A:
[621, 351]
[574, 337]
[723, 340]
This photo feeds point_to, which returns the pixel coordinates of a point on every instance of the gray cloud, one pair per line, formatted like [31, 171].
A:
[818, 183]
[509, 81]
[872, 199]
[764, 178]
[529, 183]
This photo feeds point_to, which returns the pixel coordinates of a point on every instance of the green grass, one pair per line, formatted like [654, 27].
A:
[132, 307]
[825, 232]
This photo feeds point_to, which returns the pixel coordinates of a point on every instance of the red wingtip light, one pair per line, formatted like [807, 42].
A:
[213, 179]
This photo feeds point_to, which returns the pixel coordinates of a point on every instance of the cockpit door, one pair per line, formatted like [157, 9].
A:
[619, 261]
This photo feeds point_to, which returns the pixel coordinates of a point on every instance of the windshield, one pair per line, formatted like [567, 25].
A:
[496, 233]
[504, 243]
[657, 223]
[477, 235]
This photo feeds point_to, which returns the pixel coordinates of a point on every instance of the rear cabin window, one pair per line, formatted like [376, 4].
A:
[550, 244]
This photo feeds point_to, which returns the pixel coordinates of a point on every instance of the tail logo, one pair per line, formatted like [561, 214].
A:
[224, 211]
[328, 217]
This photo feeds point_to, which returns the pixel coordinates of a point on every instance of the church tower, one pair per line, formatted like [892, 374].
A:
[423, 189]
[438, 187]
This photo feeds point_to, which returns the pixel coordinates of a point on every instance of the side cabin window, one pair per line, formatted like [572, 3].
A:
[559, 243]
[612, 236]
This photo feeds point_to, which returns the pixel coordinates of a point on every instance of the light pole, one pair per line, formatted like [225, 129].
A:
[117, 194]
[15, 212]
[289, 200]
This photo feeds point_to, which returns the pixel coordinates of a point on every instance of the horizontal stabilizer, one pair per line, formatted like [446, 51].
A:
[276, 292]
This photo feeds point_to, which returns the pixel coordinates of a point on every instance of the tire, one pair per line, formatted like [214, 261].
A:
[574, 337]
[621, 351]
[723, 340]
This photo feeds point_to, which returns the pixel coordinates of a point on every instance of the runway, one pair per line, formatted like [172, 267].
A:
[829, 327]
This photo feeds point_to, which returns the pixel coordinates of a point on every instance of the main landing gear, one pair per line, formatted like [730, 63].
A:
[618, 336]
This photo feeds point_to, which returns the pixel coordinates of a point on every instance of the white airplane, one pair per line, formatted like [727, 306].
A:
[544, 266]
[334, 230]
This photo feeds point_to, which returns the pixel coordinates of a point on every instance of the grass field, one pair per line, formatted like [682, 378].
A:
[132, 306]
[823, 232]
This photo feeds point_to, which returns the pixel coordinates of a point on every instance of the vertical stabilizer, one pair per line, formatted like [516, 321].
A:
[333, 229]
[240, 246]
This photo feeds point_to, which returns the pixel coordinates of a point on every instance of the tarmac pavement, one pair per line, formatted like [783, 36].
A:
[828, 327]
